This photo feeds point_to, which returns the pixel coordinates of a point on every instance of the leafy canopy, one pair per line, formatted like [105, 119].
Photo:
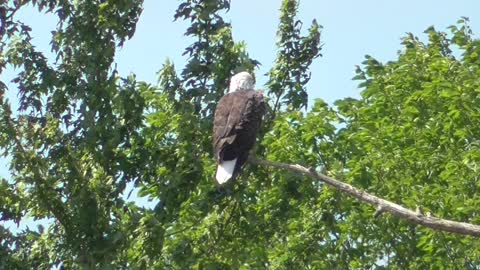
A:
[82, 133]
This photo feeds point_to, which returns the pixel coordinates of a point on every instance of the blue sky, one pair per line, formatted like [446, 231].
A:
[352, 29]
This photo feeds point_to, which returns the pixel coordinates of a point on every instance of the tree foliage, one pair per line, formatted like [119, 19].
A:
[82, 133]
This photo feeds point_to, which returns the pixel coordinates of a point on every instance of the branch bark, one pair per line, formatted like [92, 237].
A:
[379, 203]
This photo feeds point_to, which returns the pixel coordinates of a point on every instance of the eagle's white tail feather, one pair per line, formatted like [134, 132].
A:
[225, 171]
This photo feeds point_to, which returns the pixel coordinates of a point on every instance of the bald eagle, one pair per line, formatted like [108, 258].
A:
[238, 117]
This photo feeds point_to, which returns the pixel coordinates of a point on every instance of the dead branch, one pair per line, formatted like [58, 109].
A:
[380, 204]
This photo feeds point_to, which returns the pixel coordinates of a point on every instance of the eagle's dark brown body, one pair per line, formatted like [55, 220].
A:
[238, 117]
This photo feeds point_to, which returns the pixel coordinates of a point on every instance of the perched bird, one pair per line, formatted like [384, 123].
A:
[238, 117]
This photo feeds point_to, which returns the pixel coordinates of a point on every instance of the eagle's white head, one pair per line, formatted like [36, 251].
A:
[241, 81]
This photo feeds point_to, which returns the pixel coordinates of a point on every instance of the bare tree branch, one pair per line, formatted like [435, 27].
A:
[381, 204]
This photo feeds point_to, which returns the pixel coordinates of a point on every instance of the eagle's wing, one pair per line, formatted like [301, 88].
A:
[237, 119]
[227, 116]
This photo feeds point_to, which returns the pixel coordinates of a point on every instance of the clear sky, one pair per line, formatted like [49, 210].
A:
[352, 29]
